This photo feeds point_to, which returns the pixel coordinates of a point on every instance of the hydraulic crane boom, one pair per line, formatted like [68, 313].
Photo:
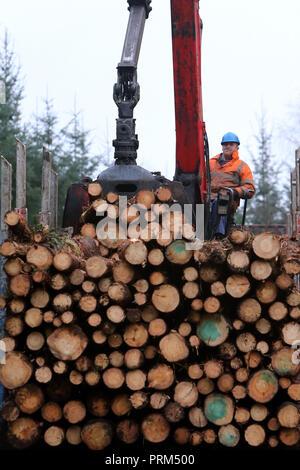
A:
[190, 183]
[191, 141]
[127, 90]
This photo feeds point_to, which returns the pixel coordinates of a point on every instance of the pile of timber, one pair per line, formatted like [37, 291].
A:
[123, 340]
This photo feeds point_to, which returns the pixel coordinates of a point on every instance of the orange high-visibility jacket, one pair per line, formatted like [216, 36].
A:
[233, 174]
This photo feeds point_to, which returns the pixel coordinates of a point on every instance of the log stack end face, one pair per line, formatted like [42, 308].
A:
[67, 343]
[219, 409]
[213, 330]
[144, 339]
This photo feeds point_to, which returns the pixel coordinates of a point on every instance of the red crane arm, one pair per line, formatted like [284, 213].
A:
[190, 128]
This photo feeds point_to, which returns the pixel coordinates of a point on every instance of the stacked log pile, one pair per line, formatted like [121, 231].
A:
[121, 340]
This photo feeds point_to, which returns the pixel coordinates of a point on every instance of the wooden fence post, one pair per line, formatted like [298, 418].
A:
[6, 175]
[53, 199]
[293, 204]
[21, 179]
[5, 192]
[46, 187]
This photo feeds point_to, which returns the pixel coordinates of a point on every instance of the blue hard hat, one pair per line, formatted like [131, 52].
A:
[230, 137]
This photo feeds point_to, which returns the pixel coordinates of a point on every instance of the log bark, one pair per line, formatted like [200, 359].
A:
[212, 252]
[74, 411]
[186, 394]
[229, 435]
[289, 437]
[139, 400]
[120, 293]
[39, 298]
[225, 383]
[166, 298]
[173, 347]
[77, 277]
[240, 236]
[277, 311]
[209, 272]
[128, 431]
[145, 198]
[16, 305]
[249, 310]
[212, 305]
[237, 285]
[155, 428]
[67, 343]
[255, 435]
[73, 435]
[160, 377]
[17, 225]
[121, 405]
[260, 270]
[35, 341]
[66, 261]
[135, 379]
[97, 434]
[177, 253]
[156, 257]
[242, 415]
[213, 368]
[9, 411]
[267, 292]
[157, 327]
[266, 245]
[238, 261]
[123, 272]
[29, 398]
[94, 189]
[88, 230]
[215, 400]
[23, 432]
[263, 386]
[246, 342]
[97, 266]
[134, 252]
[11, 248]
[209, 436]
[163, 194]
[113, 378]
[158, 400]
[14, 325]
[291, 332]
[20, 285]
[190, 274]
[16, 371]
[43, 374]
[191, 289]
[284, 281]
[213, 329]
[13, 266]
[39, 256]
[289, 256]
[135, 335]
[217, 289]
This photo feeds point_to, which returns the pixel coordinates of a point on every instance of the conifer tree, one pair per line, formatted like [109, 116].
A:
[269, 204]
[10, 112]
[41, 131]
[75, 160]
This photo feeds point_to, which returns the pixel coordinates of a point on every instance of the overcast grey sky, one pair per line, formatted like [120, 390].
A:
[250, 59]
